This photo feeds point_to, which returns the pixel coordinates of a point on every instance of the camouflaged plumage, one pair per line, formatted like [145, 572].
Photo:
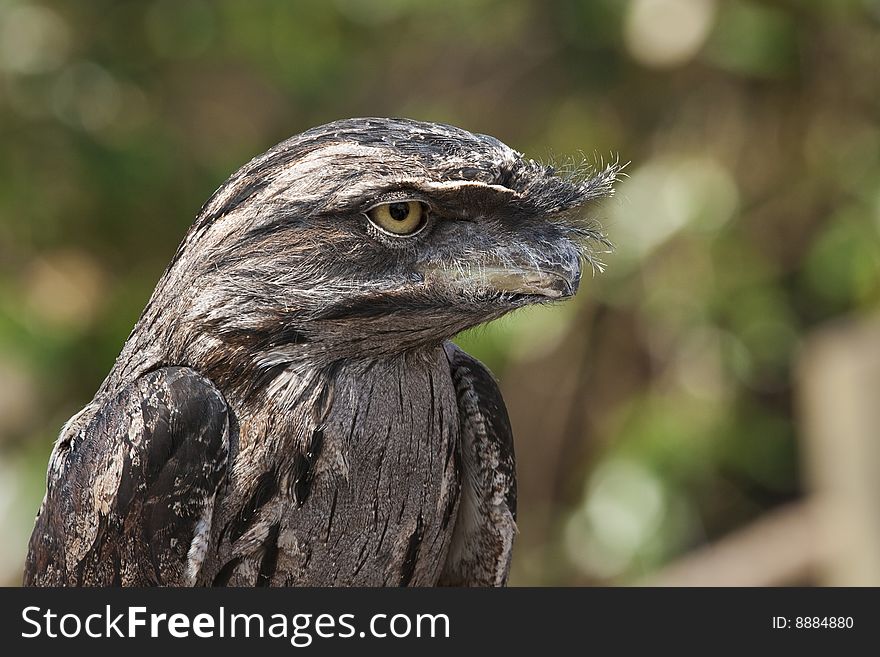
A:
[288, 409]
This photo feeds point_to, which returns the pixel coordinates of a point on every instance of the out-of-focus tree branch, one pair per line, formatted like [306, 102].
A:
[783, 547]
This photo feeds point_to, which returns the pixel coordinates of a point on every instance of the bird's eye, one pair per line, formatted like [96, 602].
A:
[399, 217]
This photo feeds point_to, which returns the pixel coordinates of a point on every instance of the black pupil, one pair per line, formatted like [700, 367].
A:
[398, 211]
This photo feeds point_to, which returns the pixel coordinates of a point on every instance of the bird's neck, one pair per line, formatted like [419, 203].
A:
[303, 410]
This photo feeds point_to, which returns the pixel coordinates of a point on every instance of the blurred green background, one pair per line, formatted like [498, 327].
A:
[653, 414]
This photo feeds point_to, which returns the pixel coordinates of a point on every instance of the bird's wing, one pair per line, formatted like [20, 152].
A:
[479, 554]
[129, 497]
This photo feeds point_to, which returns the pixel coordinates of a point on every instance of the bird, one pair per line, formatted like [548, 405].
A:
[289, 408]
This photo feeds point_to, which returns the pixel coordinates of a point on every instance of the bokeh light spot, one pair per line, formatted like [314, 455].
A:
[33, 39]
[667, 33]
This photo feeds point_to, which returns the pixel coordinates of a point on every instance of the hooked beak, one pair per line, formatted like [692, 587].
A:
[510, 277]
[553, 284]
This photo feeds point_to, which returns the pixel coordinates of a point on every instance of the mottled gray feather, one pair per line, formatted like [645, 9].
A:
[285, 411]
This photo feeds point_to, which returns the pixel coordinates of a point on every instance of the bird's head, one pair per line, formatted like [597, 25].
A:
[380, 235]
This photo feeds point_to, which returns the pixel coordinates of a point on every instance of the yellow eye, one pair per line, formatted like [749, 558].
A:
[399, 217]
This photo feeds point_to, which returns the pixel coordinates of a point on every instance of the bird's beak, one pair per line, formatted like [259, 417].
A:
[541, 282]
[541, 279]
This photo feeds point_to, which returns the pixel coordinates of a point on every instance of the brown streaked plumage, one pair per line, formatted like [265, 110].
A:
[288, 409]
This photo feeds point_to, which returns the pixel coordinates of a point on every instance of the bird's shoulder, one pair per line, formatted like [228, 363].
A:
[484, 415]
[130, 492]
[486, 521]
